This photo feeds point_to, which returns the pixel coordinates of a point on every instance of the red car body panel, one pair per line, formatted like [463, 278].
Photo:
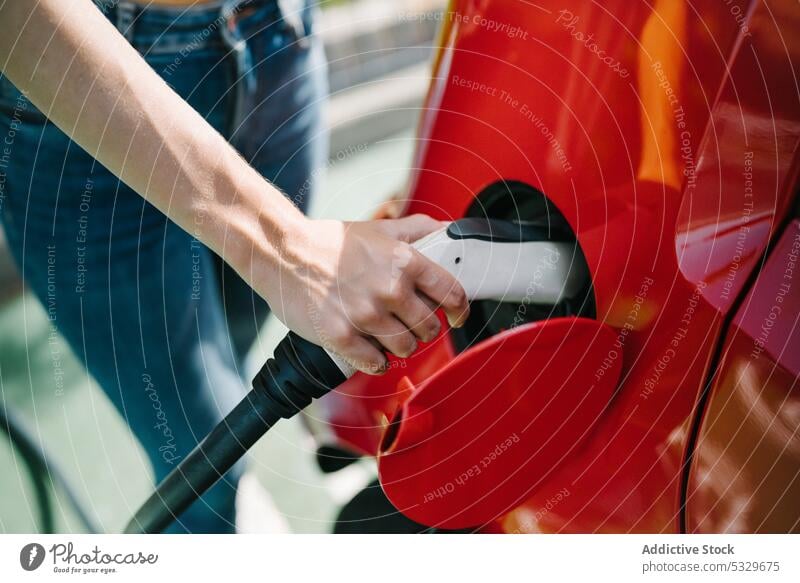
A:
[745, 475]
[666, 133]
[491, 434]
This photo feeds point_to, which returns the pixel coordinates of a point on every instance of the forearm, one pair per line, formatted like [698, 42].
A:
[101, 93]
[356, 286]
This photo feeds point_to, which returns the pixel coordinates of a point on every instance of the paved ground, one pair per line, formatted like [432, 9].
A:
[87, 436]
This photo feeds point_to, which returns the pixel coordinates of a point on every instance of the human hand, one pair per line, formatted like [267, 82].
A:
[361, 288]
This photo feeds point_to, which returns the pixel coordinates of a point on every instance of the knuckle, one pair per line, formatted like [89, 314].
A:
[424, 219]
[367, 317]
[399, 295]
[402, 254]
[433, 328]
[342, 336]
[435, 278]
[457, 297]
[396, 293]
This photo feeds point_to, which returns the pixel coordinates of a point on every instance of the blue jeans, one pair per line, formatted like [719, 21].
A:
[159, 321]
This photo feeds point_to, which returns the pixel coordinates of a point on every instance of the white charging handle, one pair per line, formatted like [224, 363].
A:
[502, 261]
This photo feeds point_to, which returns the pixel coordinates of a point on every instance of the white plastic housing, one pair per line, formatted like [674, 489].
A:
[534, 272]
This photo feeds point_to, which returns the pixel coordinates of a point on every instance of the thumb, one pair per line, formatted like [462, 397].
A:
[412, 228]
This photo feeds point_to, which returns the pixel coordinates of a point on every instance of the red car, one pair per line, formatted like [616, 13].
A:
[663, 138]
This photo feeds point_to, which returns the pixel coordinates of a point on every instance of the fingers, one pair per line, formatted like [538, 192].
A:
[411, 228]
[441, 287]
[431, 279]
[415, 318]
[361, 353]
[419, 316]
[392, 300]
[391, 333]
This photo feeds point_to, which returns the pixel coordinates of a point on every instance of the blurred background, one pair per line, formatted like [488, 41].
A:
[379, 53]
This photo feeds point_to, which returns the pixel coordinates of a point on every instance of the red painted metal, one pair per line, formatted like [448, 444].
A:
[476, 439]
[666, 132]
[358, 411]
[745, 472]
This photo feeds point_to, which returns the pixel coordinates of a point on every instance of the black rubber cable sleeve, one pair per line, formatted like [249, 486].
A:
[299, 372]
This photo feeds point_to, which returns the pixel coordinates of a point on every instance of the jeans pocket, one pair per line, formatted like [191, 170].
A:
[265, 18]
[273, 27]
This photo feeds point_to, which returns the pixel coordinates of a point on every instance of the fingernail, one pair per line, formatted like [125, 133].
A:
[378, 369]
[459, 320]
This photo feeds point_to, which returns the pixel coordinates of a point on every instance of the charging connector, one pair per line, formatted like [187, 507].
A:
[491, 259]
[299, 372]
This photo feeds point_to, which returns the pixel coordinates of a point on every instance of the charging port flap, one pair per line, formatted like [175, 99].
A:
[484, 433]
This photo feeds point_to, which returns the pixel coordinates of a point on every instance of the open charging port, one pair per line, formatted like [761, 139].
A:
[522, 204]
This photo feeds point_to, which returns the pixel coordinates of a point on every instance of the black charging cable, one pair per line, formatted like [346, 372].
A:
[298, 373]
[302, 371]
